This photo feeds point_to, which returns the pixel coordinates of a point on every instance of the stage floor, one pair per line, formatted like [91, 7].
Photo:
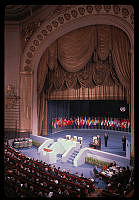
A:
[114, 146]
[114, 141]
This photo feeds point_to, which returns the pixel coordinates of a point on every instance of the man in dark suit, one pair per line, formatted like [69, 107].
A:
[124, 142]
[106, 139]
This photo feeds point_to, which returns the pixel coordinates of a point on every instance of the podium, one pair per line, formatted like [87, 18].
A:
[48, 156]
[96, 143]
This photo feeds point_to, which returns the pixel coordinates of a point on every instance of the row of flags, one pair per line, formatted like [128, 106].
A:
[90, 122]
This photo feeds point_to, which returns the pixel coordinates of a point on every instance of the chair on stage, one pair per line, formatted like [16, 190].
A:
[74, 138]
[68, 137]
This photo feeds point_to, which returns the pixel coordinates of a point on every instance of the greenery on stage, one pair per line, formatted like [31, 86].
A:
[36, 144]
[97, 162]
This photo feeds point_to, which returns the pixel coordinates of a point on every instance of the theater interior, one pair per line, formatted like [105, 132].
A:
[69, 101]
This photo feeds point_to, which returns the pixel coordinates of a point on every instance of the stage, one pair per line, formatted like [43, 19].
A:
[114, 141]
[114, 147]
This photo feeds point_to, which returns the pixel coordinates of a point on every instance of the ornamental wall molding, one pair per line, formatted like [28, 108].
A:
[118, 15]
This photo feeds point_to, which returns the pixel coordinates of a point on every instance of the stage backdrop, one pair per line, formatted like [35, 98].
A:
[99, 108]
[55, 109]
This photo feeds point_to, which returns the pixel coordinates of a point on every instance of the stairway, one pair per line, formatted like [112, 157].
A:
[59, 158]
[72, 156]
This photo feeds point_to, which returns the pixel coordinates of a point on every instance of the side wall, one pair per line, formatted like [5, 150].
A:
[12, 53]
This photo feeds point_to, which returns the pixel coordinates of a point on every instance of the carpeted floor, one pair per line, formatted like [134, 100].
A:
[114, 146]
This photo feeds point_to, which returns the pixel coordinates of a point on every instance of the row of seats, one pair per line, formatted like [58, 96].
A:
[64, 179]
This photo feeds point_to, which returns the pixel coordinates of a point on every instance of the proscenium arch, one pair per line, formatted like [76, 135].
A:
[112, 18]
[78, 23]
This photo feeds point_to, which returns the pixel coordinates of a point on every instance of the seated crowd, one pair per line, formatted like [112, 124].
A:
[31, 178]
[122, 180]
[27, 177]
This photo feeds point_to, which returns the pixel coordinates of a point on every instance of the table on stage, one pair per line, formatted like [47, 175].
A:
[22, 144]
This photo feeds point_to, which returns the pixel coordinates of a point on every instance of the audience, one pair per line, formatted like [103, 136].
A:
[31, 178]
[27, 177]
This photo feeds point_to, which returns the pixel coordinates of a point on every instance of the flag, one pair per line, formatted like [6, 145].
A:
[53, 123]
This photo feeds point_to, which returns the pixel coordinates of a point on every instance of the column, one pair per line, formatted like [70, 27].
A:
[26, 85]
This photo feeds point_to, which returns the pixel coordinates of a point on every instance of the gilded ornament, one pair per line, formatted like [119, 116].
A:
[81, 10]
[55, 23]
[61, 20]
[27, 69]
[67, 16]
[32, 48]
[49, 28]
[89, 9]
[44, 32]
[107, 8]
[125, 12]
[29, 54]
[40, 37]
[29, 29]
[132, 18]
[116, 9]
[36, 42]
[74, 13]
[98, 8]
[28, 61]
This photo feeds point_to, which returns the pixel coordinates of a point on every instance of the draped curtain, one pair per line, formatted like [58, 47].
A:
[41, 97]
[84, 58]
[76, 47]
[122, 59]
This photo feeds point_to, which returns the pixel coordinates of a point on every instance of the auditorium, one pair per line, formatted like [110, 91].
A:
[69, 101]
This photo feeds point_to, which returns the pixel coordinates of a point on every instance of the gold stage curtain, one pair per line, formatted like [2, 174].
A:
[42, 111]
[52, 56]
[75, 48]
[85, 76]
[42, 71]
[121, 56]
[103, 41]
